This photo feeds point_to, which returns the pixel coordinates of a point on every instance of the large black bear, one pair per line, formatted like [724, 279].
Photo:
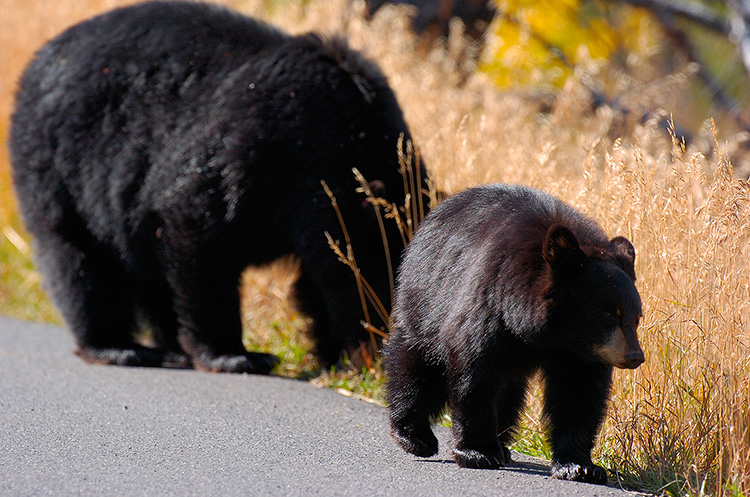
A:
[160, 149]
[498, 283]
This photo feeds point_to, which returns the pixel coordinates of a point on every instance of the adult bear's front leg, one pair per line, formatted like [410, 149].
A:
[207, 305]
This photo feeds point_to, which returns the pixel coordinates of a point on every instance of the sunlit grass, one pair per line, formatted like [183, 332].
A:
[271, 321]
[366, 383]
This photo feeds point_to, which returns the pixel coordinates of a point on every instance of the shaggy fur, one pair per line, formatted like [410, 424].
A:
[160, 149]
[498, 283]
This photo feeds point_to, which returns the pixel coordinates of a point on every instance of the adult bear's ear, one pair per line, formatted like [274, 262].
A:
[561, 249]
[377, 189]
[624, 255]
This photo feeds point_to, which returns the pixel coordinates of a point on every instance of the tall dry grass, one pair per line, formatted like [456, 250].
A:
[680, 422]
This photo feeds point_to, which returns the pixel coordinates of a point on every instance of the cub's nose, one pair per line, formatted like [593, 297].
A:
[635, 358]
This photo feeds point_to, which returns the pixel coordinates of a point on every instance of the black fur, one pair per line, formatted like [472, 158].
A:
[498, 283]
[160, 149]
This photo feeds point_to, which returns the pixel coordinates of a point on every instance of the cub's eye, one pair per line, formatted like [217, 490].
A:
[612, 313]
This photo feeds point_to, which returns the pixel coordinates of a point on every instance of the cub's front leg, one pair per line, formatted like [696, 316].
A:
[575, 402]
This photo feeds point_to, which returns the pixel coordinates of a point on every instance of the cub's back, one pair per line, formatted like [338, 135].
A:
[495, 220]
[481, 240]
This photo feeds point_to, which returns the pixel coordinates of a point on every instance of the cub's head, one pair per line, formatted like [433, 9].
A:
[595, 307]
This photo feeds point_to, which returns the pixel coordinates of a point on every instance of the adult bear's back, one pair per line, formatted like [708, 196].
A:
[108, 92]
[165, 147]
[112, 97]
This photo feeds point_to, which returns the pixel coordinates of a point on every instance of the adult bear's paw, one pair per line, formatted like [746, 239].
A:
[250, 363]
[135, 356]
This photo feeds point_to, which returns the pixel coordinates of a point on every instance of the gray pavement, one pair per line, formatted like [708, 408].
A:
[69, 428]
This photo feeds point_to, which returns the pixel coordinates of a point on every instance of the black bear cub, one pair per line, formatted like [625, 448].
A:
[500, 282]
[160, 149]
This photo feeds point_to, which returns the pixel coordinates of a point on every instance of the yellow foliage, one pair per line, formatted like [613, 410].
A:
[540, 42]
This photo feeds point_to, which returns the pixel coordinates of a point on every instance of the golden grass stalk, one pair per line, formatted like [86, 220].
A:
[680, 422]
[365, 291]
[364, 187]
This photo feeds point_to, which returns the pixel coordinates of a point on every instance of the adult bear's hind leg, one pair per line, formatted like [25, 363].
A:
[207, 306]
[310, 299]
[157, 305]
[91, 291]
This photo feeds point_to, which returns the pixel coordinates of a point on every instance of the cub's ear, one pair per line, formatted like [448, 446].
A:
[624, 255]
[561, 249]
[623, 247]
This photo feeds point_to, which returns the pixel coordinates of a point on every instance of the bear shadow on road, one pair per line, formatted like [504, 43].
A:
[526, 467]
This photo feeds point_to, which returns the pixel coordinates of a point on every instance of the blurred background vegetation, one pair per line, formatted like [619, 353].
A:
[536, 46]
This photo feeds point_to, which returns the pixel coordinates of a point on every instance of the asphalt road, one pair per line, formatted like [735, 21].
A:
[69, 428]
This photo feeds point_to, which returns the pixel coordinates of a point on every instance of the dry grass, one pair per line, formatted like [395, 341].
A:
[680, 422]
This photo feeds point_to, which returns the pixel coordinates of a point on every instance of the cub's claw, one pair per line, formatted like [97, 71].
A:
[588, 473]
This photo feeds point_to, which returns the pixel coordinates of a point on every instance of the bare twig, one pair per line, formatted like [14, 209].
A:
[712, 83]
[740, 33]
[691, 11]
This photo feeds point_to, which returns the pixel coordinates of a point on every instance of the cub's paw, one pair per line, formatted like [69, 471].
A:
[467, 458]
[421, 443]
[250, 363]
[588, 473]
